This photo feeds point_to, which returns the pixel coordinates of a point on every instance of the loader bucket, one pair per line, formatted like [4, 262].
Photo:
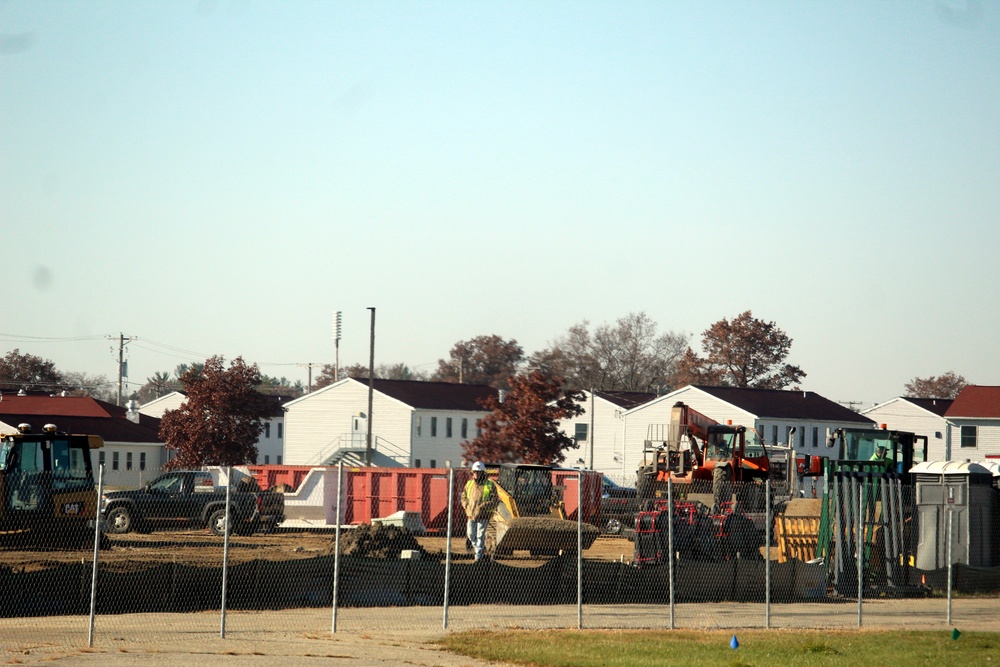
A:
[541, 536]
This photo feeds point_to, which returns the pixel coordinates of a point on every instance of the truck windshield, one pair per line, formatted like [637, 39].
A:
[867, 446]
[5, 450]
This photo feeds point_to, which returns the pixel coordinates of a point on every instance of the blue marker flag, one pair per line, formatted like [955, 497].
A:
[733, 643]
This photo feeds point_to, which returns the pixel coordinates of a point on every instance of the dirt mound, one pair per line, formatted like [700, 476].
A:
[377, 541]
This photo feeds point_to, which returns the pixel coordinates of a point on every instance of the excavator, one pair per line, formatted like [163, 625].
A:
[47, 494]
[697, 454]
[529, 516]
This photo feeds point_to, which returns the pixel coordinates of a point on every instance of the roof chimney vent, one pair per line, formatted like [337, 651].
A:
[132, 411]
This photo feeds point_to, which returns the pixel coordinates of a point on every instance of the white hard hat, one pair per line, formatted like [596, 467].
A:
[478, 465]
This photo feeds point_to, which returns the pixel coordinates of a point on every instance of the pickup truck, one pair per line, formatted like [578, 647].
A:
[192, 498]
[619, 507]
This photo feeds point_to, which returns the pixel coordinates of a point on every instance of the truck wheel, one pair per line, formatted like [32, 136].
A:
[119, 521]
[612, 527]
[247, 528]
[217, 523]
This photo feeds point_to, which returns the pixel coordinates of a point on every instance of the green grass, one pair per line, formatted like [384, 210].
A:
[801, 648]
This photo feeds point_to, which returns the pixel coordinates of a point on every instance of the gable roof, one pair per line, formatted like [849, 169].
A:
[783, 404]
[626, 399]
[434, 395]
[78, 414]
[938, 406]
[976, 402]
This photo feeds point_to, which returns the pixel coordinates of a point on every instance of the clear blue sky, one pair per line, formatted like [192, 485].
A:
[220, 177]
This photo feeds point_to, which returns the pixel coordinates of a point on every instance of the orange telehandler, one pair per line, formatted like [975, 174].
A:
[701, 458]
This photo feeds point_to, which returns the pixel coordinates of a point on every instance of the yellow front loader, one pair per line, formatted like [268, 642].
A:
[529, 515]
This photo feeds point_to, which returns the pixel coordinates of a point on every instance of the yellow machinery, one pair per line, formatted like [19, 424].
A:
[529, 516]
[47, 494]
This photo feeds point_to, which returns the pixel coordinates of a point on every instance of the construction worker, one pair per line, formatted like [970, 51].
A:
[477, 500]
[880, 453]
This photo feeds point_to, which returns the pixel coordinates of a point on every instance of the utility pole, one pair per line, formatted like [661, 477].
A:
[309, 366]
[122, 340]
[591, 438]
[851, 404]
[336, 344]
[371, 390]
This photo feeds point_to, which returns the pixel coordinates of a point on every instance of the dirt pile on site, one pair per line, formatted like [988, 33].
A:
[376, 541]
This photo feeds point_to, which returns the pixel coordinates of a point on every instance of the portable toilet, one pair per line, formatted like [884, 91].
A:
[954, 498]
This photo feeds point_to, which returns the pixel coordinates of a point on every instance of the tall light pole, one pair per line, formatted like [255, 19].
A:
[371, 390]
[336, 344]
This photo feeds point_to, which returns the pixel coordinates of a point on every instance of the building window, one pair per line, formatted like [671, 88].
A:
[420, 421]
[100, 458]
[267, 430]
[267, 459]
[281, 430]
[815, 436]
[142, 460]
[114, 460]
[128, 460]
[447, 427]
[433, 463]
[969, 436]
[479, 430]
[416, 463]
[465, 428]
[581, 431]
[434, 428]
[279, 459]
[774, 434]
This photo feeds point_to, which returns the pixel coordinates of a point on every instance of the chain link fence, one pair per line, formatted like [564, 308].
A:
[868, 548]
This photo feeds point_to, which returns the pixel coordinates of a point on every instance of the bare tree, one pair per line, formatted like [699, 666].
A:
[630, 355]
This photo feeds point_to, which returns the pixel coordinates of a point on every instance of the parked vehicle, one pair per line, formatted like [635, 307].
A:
[618, 507]
[193, 498]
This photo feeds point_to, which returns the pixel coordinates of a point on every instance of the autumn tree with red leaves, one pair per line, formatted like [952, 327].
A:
[744, 352]
[524, 427]
[222, 418]
[946, 385]
[488, 360]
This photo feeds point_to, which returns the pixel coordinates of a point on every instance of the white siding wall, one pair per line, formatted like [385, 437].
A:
[123, 477]
[316, 422]
[269, 445]
[987, 439]
[441, 448]
[608, 437]
[902, 415]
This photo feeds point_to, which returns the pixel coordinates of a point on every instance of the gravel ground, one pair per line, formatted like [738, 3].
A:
[365, 637]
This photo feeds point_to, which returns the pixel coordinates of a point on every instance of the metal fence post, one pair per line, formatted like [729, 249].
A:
[951, 537]
[670, 546]
[336, 546]
[225, 550]
[447, 548]
[767, 557]
[859, 535]
[97, 547]
[579, 551]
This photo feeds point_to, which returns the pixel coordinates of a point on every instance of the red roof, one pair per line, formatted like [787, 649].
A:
[75, 414]
[976, 403]
[52, 406]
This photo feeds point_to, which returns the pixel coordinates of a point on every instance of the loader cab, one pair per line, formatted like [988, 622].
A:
[40, 470]
[529, 485]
